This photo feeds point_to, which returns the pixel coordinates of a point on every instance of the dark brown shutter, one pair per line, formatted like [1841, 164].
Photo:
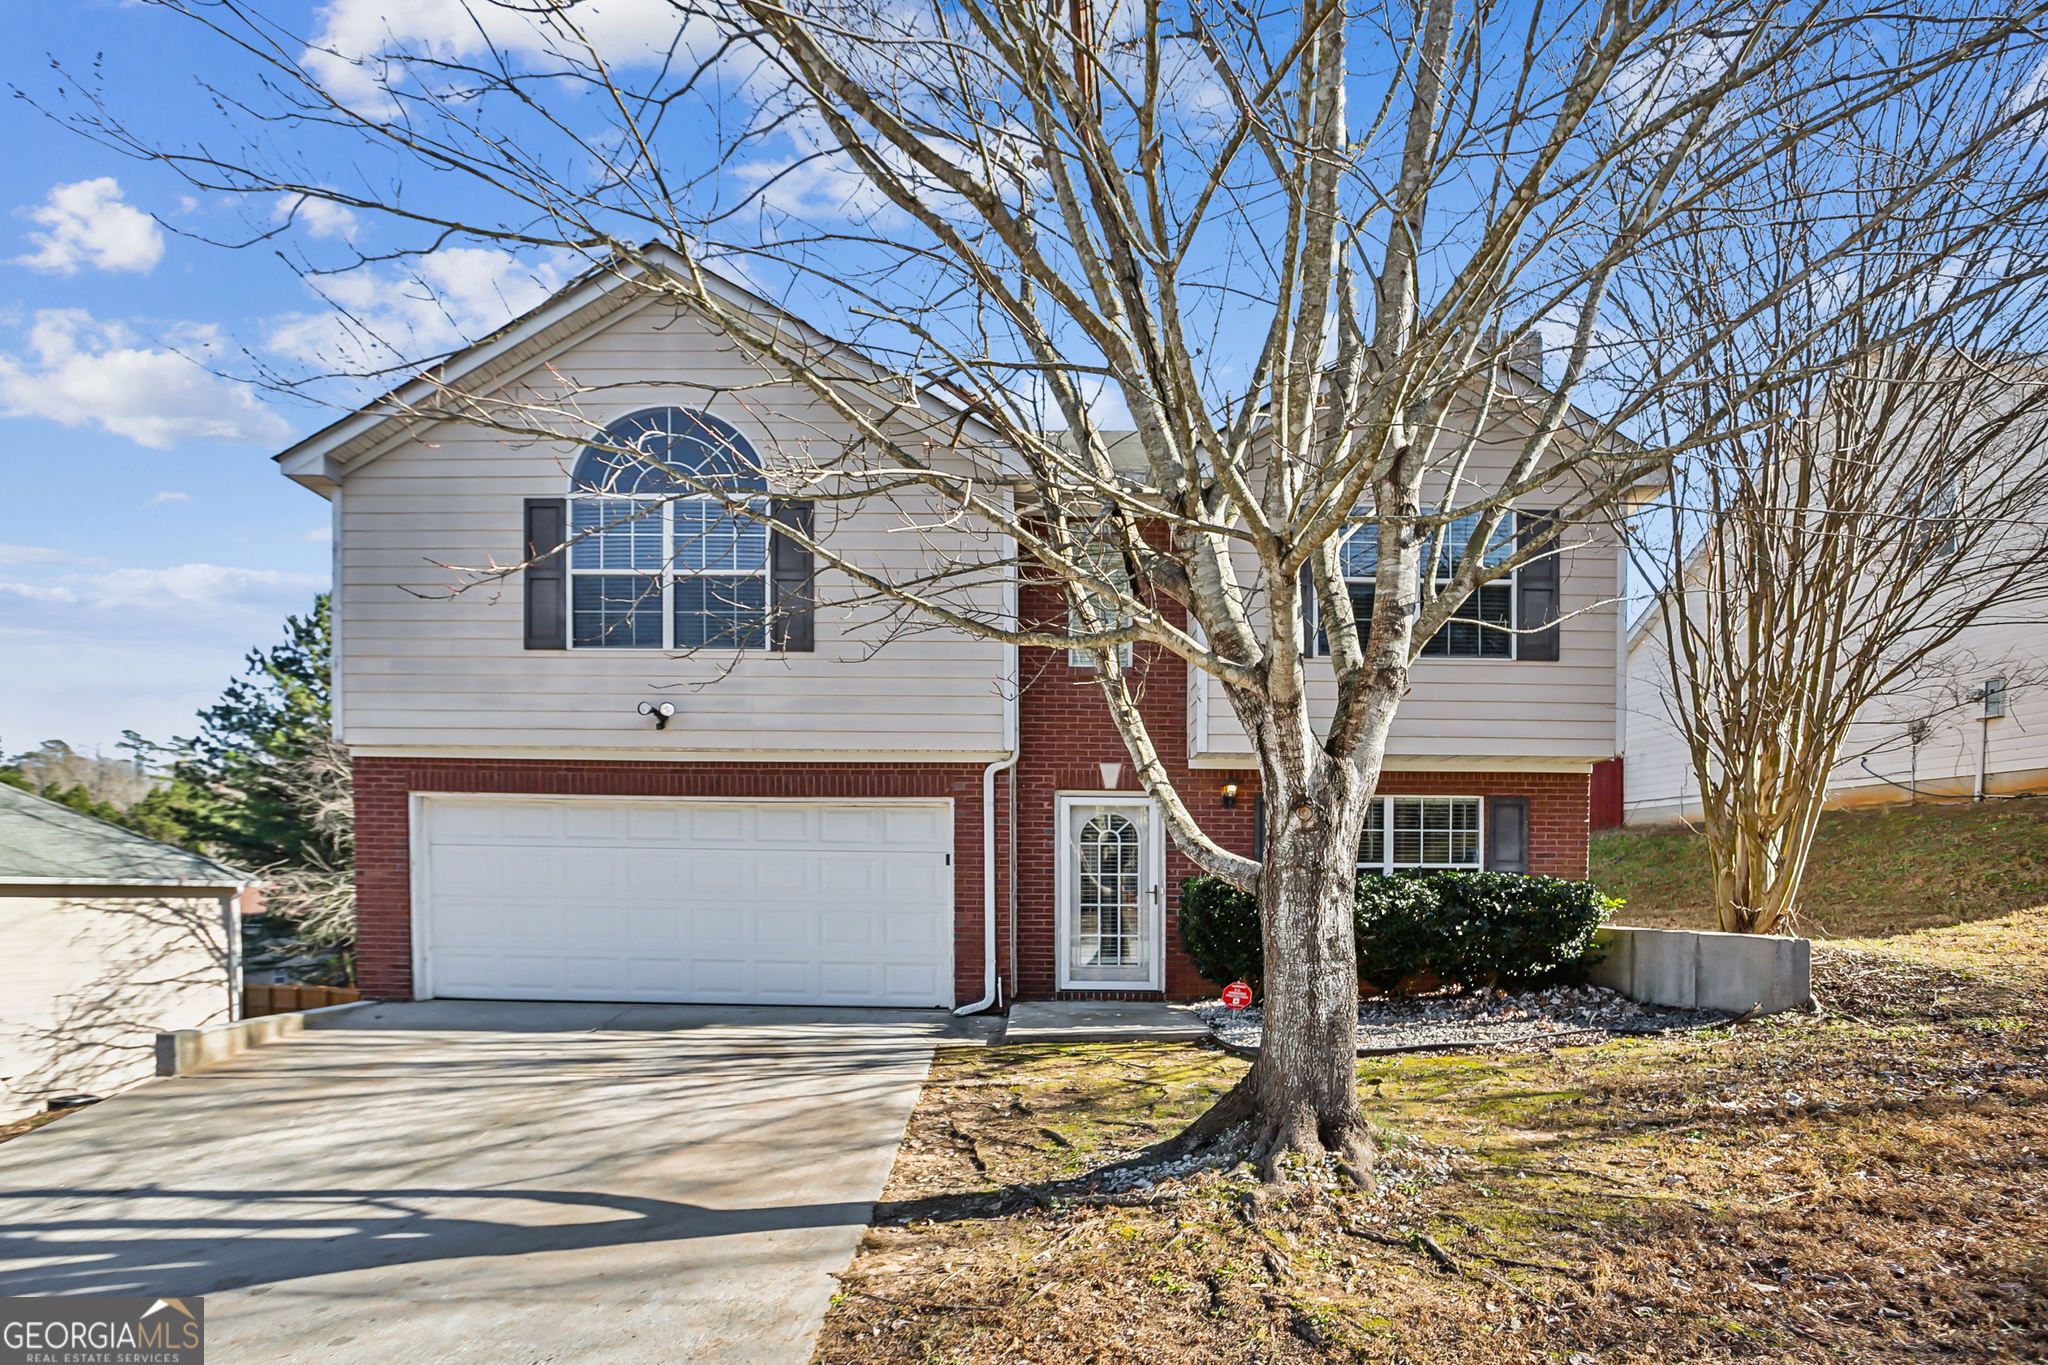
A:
[1507, 833]
[1313, 641]
[547, 573]
[1259, 827]
[792, 576]
[1537, 592]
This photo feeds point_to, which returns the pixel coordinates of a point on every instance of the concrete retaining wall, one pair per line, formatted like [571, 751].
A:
[1692, 969]
[188, 1049]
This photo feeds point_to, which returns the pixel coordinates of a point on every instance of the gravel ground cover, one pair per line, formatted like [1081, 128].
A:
[1495, 1018]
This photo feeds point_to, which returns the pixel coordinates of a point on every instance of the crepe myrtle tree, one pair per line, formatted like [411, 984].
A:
[1277, 255]
[1863, 476]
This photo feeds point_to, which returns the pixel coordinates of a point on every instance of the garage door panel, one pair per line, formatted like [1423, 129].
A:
[524, 821]
[716, 901]
[782, 927]
[904, 981]
[849, 825]
[916, 827]
[785, 825]
[714, 824]
[839, 929]
[655, 976]
[591, 824]
[718, 928]
[784, 876]
[901, 929]
[648, 823]
[654, 929]
[849, 979]
[903, 879]
[712, 874]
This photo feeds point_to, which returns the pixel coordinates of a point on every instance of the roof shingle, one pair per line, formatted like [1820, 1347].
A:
[41, 841]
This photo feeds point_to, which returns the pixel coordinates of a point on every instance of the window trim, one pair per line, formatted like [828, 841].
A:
[1510, 531]
[668, 575]
[1388, 867]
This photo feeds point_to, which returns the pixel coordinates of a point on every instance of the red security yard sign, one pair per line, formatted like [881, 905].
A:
[1237, 995]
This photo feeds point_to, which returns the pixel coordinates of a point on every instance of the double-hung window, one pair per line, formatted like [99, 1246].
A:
[1483, 625]
[1932, 501]
[668, 546]
[1416, 832]
[1100, 556]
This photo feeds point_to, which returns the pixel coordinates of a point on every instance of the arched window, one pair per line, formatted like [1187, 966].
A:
[659, 556]
[665, 451]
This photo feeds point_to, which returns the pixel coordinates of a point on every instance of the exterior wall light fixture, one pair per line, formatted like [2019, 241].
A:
[660, 710]
[1230, 796]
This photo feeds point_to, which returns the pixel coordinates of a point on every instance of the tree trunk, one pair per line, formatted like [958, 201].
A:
[1301, 1095]
[1759, 854]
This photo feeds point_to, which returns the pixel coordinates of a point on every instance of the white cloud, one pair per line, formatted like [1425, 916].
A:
[321, 535]
[31, 554]
[85, 654]
[818, 186]
[317, 216]
[208, 588]
[165, 497]
[85, 373]
[353, 53]
[86, 223]
[450, 297]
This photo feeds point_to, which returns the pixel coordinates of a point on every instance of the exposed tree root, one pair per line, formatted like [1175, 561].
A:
[1240, 1122]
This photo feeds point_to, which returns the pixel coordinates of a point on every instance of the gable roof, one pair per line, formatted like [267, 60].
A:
[600, 296]
[43, 843]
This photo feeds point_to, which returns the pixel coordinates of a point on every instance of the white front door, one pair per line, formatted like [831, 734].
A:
[1112, 902]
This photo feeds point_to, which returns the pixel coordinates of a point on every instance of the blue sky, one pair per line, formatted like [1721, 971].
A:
[147, 542]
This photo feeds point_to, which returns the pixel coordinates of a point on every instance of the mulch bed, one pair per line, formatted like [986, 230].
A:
[1867, 1184]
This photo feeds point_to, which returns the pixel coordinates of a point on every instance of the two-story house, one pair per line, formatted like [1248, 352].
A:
[836, 812]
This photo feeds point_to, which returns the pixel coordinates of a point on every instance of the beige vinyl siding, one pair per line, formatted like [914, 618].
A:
[1487, 712]
[422, 667]
[1657, 779]
[1877, 763]
[88, 980]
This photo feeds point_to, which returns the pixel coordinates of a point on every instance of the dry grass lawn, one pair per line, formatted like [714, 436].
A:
[1863, 1186]
[1891, 870]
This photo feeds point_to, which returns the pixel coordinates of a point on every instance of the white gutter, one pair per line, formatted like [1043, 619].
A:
[1012, 676]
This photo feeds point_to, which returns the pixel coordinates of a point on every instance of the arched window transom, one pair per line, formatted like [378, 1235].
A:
[659, 557]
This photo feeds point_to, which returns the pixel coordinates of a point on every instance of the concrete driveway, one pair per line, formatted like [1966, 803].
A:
[455, 1181]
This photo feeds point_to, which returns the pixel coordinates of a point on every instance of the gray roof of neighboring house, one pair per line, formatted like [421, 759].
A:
[43, 842]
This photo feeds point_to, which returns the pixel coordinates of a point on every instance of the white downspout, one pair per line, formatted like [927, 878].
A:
[1012, 676]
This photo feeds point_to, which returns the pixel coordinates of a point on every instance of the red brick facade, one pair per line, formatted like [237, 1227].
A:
[383, 787]
[1066, 734]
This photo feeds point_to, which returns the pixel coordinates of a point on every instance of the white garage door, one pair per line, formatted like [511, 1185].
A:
[719, 902]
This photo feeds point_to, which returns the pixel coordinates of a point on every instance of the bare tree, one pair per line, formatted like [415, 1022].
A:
[1863, 466]
[1294, 244]
[317, 891]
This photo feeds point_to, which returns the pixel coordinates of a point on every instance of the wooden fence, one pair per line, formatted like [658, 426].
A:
[261, 1000]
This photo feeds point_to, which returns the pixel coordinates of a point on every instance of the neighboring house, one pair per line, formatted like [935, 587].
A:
[1940, 739]
[810, 826]
[106, 938]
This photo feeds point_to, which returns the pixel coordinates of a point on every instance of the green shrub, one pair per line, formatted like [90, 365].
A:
[1402, 931]
[1219, 931]
[1476, 928]
[1463, 928]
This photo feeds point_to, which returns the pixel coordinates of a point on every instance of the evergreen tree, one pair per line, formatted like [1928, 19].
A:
[236, 785]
